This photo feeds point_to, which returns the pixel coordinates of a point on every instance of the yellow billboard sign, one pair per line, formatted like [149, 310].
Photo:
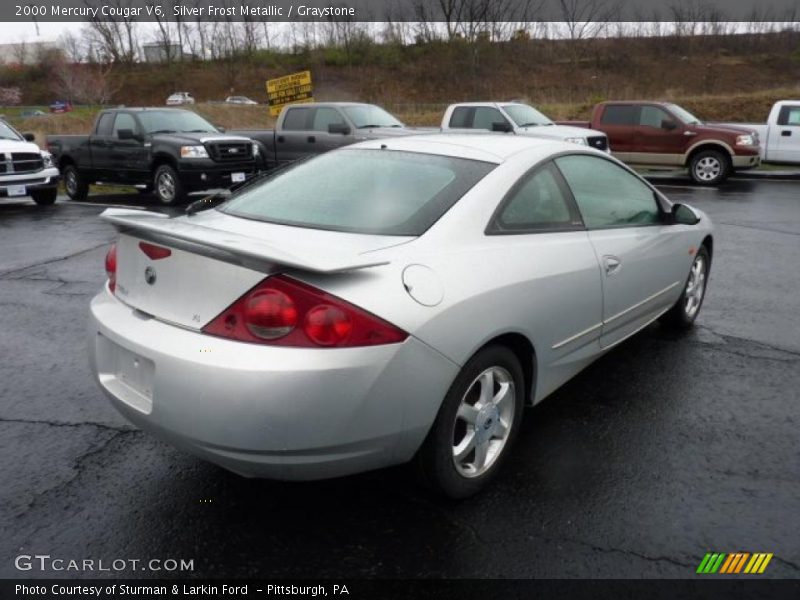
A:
[290, 89]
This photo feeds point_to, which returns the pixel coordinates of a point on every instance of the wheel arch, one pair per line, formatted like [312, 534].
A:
[717, 145]
[163, 158]
[525, 352]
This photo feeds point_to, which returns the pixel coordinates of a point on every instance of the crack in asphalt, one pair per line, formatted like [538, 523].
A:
[473, 533]
[788, 563]
[49, 261]
[767, 229]
[794, 354]
[77, 466]
[121, 429]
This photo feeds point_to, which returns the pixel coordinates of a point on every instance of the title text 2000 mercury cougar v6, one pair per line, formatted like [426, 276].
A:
[392, 300]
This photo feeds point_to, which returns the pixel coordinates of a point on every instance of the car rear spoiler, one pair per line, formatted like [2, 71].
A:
[234, 248]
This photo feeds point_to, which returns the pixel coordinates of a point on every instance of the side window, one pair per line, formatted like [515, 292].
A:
[124, 121]
[460, 119]
[620, 114]
[652, 116]
[325, 116]
[789, 115]
[537, 202]
[606, 194]
[295, 119]
[486, 116]
[104, 124]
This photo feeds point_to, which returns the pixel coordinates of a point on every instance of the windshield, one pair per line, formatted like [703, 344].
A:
[382, 192]
[684, 115]
[7, 132]
[526, 116]
[367, 115]
[174, 121]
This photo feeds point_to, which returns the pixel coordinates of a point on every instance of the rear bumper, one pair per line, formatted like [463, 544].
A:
[282, 413]
[33, 182]
[206, 174]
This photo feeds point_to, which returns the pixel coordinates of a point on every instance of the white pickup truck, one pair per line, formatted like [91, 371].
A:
[780, 135]
[24, 169]
[519, 119]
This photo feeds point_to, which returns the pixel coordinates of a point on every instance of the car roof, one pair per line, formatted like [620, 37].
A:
[487, 147]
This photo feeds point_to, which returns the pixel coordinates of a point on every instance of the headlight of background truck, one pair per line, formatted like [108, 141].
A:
[47, 158]
[193, 152]
[576, 140]
[745, 140]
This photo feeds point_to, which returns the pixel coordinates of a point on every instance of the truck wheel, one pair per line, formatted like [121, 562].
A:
[74, 183]
[45, 197]
[709, 167]
[167, 185]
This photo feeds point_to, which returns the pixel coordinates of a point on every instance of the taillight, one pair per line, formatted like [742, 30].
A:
[283, 312]
[111, 267]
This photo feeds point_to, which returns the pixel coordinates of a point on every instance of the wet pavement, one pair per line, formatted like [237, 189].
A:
[668, 447]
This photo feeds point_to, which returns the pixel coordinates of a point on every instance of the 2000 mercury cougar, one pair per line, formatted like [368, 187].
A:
[392, 300]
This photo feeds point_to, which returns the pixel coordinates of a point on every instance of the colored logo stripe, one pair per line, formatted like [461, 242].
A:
[734, 563]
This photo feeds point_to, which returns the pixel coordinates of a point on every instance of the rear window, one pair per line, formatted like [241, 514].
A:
[620, 114]
[384, 192]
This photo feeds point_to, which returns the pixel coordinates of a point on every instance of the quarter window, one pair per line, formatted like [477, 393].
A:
[460, 118]
[537, 202]
[295, 119]
[608, 195]
[105, 123]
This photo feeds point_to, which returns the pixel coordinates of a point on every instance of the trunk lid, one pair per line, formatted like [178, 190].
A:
[215, 258]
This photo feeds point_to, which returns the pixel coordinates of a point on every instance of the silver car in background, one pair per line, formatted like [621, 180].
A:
[392, 300]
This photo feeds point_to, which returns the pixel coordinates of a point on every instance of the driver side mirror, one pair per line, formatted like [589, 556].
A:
[29, 137]
[668, 125]
[127, 134]
[683, 214]
[502, 126]
[340, 128]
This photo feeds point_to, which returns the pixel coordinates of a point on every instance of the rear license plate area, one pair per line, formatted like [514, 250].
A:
[128, 376]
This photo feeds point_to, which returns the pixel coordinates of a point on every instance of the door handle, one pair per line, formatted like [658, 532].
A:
[786, 133]
[280, 139]
[611, 264]
[312, 139]
[690, 133]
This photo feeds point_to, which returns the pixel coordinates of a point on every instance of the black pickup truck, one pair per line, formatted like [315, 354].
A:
[303, 130]
[171, 152]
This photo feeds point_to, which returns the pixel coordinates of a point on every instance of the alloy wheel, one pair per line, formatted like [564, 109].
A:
[708, 168]
[695, 287]
[166, 187]
[483, 421]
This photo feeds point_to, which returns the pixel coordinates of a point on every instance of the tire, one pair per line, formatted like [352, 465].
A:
[491, 428]
[75, 184]
[45, 197]
[684, 312]
[709, 167]
[167, 185]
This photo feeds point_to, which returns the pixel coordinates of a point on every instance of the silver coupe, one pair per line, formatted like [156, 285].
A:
[392, 300]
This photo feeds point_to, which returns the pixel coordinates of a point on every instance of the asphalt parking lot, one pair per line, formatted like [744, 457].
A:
[665, 449]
